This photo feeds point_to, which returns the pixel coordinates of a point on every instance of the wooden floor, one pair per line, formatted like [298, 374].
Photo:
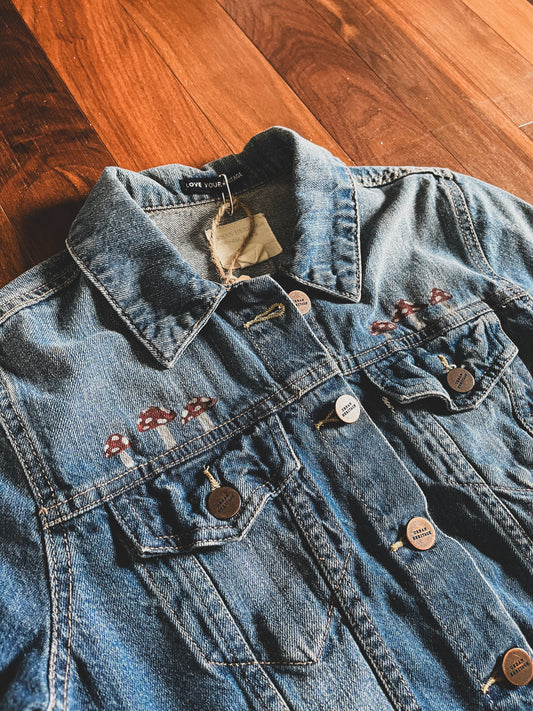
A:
[139, 83]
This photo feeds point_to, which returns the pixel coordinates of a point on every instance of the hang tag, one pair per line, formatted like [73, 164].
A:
[261, 246]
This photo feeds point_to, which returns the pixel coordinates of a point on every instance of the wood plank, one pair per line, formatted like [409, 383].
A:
[344, 95]
[13, 260]
[518, 33]
[487, 143]
[164, 82]
[512, 20]
[49, 154]
[134, 102]
[467, 41]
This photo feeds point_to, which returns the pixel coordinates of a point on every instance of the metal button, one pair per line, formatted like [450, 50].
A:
[517, 666]
[460, 379]
[301, 300]
[347, 408]
[224, 502]
[420, 533]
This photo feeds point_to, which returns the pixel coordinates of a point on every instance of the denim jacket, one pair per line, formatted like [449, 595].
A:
[309, 488]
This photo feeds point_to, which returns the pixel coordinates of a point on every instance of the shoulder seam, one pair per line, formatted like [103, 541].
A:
[38, 293]
[390, 174]
[469, 233]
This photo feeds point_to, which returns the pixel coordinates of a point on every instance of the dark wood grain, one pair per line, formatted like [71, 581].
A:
[139, 83]
[166, 82]
[343, 90]
[49, 154]
[437, 97]
[136, 103]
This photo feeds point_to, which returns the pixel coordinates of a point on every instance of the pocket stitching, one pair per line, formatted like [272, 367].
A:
[286, 454]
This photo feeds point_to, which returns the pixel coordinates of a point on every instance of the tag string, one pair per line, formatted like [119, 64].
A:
[227, 276]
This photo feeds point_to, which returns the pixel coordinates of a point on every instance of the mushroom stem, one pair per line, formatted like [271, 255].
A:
[418, 322]
[126, 459]
[205, 421]
[168, 439]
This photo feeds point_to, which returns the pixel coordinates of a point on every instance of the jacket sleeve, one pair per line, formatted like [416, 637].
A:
[24, 595]
[499, 226]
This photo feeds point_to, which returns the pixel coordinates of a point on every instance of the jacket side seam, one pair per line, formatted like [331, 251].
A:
[56, 568]
[53, 566]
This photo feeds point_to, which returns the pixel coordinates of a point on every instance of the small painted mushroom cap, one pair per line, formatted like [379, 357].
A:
[115, 443]
[154, 417]
[438, 295]
[381, 327]
[406, 308]
[196, 406]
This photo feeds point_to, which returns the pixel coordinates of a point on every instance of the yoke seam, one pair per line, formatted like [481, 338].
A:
[93, 504]
[287, 386]
[420, 342]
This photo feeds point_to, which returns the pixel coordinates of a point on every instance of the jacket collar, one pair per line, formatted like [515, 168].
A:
[161, 298]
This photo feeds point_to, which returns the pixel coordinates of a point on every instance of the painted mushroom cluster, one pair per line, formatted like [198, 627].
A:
[157, 418]
[404, 309]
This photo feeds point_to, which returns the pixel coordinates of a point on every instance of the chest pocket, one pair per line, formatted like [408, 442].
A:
[239, 590]
[479, 347]
[480, 438]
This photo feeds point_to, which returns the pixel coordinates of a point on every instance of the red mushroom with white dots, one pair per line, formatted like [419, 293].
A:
[438, 296]
[382, 327]
[118, 444]
[197, 407]
[405, 308]
[157, 418]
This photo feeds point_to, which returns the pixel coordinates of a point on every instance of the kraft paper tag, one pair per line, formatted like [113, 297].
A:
[262, 245]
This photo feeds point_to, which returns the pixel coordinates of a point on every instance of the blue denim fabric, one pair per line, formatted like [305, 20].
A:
[120, 589]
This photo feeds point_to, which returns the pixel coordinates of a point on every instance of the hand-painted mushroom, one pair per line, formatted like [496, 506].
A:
[118, 444]
[384, 327]
[157, 418]
[197, 407]
[438, 296]
[408, 308]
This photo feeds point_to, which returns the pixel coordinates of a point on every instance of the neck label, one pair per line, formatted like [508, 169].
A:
[210, 186]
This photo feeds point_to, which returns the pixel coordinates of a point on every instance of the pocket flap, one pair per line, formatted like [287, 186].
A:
[418, 371]
[169, 512]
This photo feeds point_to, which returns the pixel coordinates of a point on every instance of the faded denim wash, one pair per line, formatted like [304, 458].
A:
[119, 587]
